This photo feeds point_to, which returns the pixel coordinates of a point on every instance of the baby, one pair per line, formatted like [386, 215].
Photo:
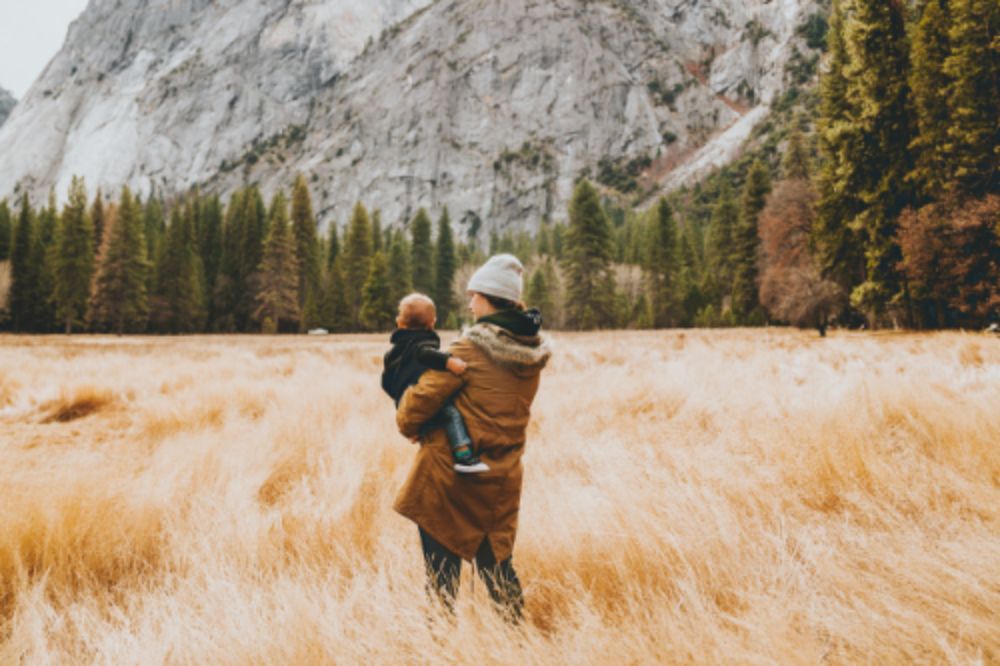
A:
[415, 348]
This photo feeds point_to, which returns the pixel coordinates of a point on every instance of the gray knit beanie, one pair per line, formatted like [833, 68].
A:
[500, 276]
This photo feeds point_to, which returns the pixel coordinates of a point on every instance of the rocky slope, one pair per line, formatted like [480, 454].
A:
[492, 107]
[7, 103]
[157, 92]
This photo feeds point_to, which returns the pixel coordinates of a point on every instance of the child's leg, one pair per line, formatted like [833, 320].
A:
[454, 427]
[466, 461]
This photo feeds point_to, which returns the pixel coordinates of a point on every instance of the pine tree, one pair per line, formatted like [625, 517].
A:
[509, 246]
[464, 253]
[277, 210]
[400, 272]
[543, 241]
[376, 222]
[590, 283]
[307, 249]
[632, 240]
[876, 39]
[538, 294]
[746, 242]
[974, 69]
[444, 269]
[192, 211]
[838, 245]
[43, 255]
[97, 220]
[555, 318]
[118, 300]
[524, 245]
[277, 299]
[332, 246]
[311, 309]
[254, 230]
[722, 227]
[661, 265]
[178, 305]
[422, 259]
[229, 278]
[210, 247]
[73, 262]
[378, 310]
[641, 316]
[24, 292]
[796, 161]
[6, 231]
[334, 313]
[153, 224]
[929, 85]
[689, 283]
[257, 228]
[636, 248]
[558, 241]
[358, 253]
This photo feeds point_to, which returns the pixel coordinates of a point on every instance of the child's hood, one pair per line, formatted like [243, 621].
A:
[407, 336]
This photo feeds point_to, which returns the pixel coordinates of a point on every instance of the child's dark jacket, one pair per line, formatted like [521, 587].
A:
[413, 351]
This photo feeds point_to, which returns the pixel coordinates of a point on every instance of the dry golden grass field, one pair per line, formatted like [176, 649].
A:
[750, 497]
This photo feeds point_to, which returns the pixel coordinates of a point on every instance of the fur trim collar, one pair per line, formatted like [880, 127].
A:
[513, 352]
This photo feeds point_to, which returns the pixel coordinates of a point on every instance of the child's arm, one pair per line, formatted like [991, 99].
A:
[441, 360]
[432, 358]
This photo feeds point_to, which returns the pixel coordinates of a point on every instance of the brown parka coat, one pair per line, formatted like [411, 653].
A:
[494, 397]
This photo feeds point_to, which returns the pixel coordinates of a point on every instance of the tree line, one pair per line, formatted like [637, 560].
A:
[199, 265]
[909, 140]
[882, 210]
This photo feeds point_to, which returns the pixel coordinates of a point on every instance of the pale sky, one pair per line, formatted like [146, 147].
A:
[31, 32]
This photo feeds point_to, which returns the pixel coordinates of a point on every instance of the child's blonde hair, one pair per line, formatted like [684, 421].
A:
[416, 311]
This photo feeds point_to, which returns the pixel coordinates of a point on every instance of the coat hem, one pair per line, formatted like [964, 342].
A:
[438, 537]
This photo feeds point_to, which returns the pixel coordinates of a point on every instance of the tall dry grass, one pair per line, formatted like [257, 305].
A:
[709, 497]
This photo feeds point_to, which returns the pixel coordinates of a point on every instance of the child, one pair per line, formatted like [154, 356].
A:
[415, 348]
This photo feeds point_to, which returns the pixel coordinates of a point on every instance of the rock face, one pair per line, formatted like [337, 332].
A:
[491, 107]
[156, 92]
[7, 103]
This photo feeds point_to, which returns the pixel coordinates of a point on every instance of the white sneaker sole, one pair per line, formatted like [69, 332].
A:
[472, 469]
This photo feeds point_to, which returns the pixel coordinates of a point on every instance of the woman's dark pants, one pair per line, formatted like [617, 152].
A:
[444, 567]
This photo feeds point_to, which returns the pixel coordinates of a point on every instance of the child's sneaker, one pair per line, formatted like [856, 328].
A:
[470, 464]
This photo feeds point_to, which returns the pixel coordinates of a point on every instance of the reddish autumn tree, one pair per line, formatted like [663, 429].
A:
[923, 242]
[791, 285]
[975, 260]
[951, 256]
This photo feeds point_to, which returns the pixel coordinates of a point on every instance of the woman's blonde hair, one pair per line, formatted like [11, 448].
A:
[503, 304]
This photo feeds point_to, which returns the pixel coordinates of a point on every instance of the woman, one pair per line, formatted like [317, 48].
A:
[474, 517]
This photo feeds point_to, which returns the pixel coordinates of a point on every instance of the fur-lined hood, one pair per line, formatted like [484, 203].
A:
[513, 352]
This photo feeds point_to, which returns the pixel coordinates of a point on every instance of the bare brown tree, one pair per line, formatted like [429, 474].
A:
[951, 257]
[791, 286]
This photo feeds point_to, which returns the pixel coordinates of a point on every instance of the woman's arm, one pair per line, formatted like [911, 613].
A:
[424, 399]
